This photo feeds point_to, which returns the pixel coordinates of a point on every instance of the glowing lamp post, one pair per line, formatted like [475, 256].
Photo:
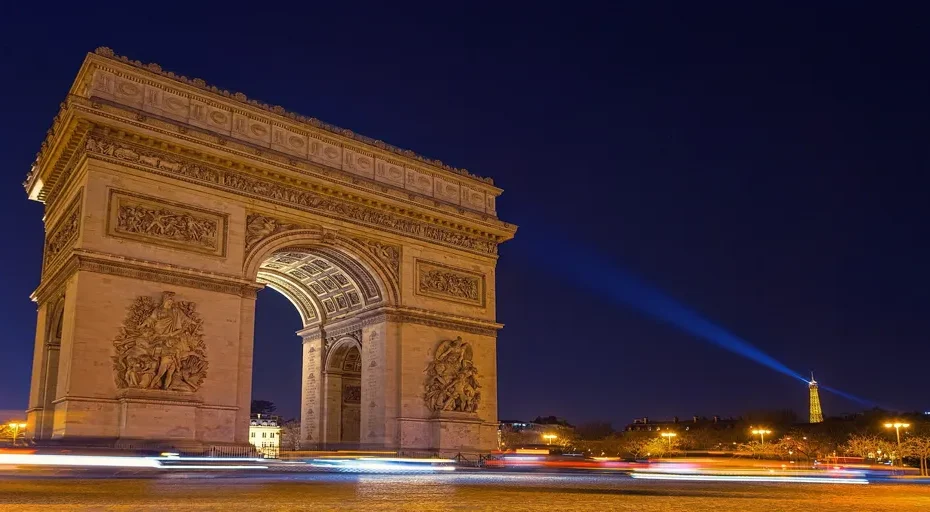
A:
[16, 426]
[669, 436]
[897, 430]
[761, 432]
[549, 438]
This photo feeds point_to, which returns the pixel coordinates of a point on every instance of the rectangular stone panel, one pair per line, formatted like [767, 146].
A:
[325, 152]
[156, 221]
[447, 190]
[288, 141]
[210, 117]
[109, 86]
[419, 181]
[389, 172]
[449, 283]
[358, 162]
[64, 232]
[473, 199]
[166, 104]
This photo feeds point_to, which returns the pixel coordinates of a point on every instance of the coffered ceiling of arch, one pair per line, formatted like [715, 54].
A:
[323, 283]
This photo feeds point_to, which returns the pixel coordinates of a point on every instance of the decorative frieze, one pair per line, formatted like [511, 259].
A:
[172, 102]
[449, 283]
[64, 233]
[289, 195]
[160, 346]
[160, 222]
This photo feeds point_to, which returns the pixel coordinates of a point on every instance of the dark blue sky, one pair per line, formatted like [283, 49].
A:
[766, 166]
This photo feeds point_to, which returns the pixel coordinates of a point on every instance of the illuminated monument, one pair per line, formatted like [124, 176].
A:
[169, 203]
[816, 413]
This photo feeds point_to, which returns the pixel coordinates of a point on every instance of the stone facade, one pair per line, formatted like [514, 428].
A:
[170, 203]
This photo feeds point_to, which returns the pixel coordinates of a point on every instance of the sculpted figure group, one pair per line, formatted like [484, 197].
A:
[452, 378]
[160, 346]
[450, 283]
[163, 223]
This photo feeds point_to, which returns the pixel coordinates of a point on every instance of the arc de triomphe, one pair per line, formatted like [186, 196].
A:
[169, 203]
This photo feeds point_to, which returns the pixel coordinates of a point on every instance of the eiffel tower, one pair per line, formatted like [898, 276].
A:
[816, 413]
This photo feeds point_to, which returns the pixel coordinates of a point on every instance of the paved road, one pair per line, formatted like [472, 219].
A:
[459, 491]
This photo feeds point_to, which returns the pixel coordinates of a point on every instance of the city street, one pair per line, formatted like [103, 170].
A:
[459, 491]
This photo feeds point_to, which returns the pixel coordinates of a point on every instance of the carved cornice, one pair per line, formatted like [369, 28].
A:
[92, 261]
[242, 151]
[430, 318]
[277, 192]
[280, 111]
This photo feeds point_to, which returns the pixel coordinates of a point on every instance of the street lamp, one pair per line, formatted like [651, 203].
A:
[16, 426]
[669, 436]
[549, 438]
[761, 433]
[897, 430]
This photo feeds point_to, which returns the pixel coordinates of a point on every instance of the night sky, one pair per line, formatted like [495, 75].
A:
[765, 167]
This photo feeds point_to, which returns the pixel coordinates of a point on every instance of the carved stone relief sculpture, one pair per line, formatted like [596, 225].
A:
[64, 233]
[295, 196]
[450, 284]
[160, 346]
[164, 223]
[386, 253]
[452, 378]
[259, 227]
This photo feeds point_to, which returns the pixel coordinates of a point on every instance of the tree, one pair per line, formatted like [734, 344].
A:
[807, 445]
[263, 407]
[661, 446]
[919, 448]
[636, 444]
[867, 446]
[760, 450]
[290, 435]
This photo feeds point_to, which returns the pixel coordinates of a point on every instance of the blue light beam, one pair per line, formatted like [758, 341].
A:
[595, 273]
[626, 288]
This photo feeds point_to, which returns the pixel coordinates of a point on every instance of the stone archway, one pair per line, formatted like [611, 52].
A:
[342, 290]
[169, 203]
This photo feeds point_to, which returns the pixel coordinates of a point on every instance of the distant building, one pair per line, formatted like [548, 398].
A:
[265, 434]
[644, 424]
[541, 431]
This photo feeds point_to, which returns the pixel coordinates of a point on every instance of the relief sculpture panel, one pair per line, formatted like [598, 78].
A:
[160, 346]
[452, 378]
[163, 223]
[441, 281]
[64, 233]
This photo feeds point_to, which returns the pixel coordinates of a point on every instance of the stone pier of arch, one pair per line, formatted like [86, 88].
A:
[169, 204]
